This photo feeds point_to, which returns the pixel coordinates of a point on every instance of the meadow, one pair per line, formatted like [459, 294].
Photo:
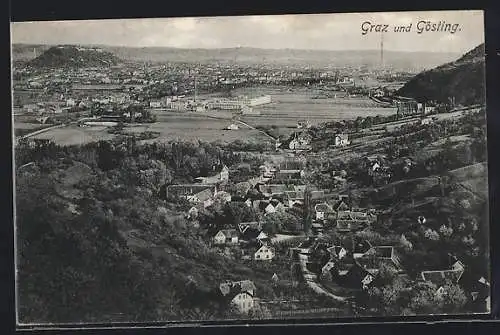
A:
[74, 135]
[170, 126]
[292, 105]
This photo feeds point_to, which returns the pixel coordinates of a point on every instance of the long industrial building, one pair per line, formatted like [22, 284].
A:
[239, 103]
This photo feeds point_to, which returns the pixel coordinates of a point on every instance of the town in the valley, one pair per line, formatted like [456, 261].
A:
[156, 190]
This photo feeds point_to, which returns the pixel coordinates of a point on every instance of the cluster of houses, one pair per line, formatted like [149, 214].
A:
[337, 213]
[204, 193]
[281, 189]
[358, 267]
[355, 267]
[301, 141]
[249, 235]
[478, 287]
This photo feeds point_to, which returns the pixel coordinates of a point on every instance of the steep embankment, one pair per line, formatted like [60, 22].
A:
[462, 79]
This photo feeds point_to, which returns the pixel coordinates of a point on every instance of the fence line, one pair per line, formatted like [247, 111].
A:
[306, 311]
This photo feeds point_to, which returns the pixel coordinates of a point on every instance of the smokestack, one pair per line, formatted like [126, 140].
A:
[382, 50]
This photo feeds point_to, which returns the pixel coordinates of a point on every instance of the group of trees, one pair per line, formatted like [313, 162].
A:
[395, 295]
[136, 112]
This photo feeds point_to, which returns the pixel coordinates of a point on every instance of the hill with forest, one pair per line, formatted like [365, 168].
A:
[463, 79]
[74, 56]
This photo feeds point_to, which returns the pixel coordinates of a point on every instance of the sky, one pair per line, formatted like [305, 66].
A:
[341, 31]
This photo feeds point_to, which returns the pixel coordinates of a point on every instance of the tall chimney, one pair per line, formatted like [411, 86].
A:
[382, 50]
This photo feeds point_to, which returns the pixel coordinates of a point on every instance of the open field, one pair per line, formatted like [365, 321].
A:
[28, 126]
[171, 126]
[192, 128]
[288, 106]
[74, 135]
[23, 128]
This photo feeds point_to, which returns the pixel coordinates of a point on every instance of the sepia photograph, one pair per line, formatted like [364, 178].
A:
[258, 168]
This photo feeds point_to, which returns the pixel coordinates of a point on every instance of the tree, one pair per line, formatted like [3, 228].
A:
[153, 176]
[387, 275]
[107, 157]
[446, 231]
[308, 211]
[453, 299]
[423, 299]
[238, 212]
[272, 224]
[388, 299]
[431, 234]
[405, 244]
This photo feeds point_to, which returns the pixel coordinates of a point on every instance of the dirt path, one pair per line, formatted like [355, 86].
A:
[311, 280]
[251, 127]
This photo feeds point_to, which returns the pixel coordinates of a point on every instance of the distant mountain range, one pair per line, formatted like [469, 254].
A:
[371, 58]
[463, 79]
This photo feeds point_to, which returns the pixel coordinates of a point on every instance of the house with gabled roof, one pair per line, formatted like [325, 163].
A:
[226, 236]
[299, 144]
[262, 237]
[328, 267]
[385, 254]
[243, 226]
[347, 221]
[337, 251]
[272, 190]
[320, 210]
[441, 277]
[205, 197]
[264, 253]
[239, 294]
[341, 140]
[221, 177]
[269, 209]
[187, 190]
[341, 205]
[293, 197]
[360, 248]
[289, 176]
[357, 276]
[292, 164]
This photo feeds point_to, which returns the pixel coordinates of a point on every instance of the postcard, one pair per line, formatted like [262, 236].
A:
[273, 167]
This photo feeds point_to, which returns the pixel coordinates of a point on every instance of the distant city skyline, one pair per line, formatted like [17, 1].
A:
[329, 32]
